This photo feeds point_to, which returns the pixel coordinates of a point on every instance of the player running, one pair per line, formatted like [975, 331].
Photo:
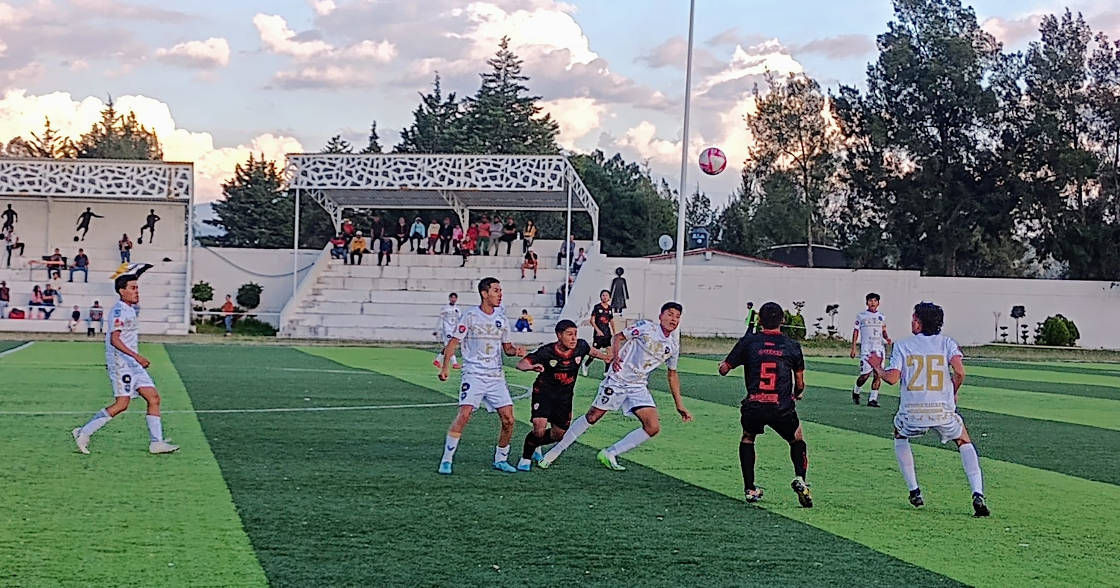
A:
[922, 364]
[602, 323]
[449, 317]
[557, 364]
[127, 368]
[870, 333]
[483, 331]
[636, 352]
[774, 369]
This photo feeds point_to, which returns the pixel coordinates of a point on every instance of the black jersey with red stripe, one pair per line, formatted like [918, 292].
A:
[769, 360]
[601, 316]
[560, 367]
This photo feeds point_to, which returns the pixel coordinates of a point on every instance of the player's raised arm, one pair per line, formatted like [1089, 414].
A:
[734, 359]
[527, 364]
[606, 356]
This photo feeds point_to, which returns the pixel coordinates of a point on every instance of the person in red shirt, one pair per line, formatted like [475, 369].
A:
[227, 315]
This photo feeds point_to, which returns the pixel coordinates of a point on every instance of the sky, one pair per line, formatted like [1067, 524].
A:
[218, 80]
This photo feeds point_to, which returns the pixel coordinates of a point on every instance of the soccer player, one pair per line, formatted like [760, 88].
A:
[449, 317]
[636, 352]
[557, 364]
[774, 369]
[127, 368]
[602, 322]
[870, 333]
[922, 365]
[483, 331]
[150, 224]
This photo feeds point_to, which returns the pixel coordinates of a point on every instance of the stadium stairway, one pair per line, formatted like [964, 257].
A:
[401, 301]
[163, 290]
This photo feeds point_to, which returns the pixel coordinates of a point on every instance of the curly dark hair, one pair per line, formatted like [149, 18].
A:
[931, 316]
[771, 315]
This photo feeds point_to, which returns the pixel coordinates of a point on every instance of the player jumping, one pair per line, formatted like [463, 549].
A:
[636, 352]
[449, 317]
[127, 368]
[483, 331]
[922, 364]
[870, 333]
[774, 369]
[602, 323]
[557, 364]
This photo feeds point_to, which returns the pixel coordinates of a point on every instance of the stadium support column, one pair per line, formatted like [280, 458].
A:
[684, 157]
[564, 247]
[295, 247]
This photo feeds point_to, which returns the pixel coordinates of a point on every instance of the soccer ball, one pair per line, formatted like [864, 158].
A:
[712, 161]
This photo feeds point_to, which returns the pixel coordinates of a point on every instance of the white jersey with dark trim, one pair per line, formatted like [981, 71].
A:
[870, 325]
[449, 317]
[926, 387]
[481, 338]
[646, 347]
[122, 318]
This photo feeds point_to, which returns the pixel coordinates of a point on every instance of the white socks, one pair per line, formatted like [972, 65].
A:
[906, 462]
[449, 447]
[501, 453]
[874, 395]
[971, 462]
[631, 440]
[579, 426]
[155, 428]
[857, 390]
[96, 422]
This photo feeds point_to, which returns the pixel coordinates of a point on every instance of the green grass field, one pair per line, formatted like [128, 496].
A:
[316, 466]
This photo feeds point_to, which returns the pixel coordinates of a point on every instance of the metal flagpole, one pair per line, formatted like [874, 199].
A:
[295, 249]
[684, 157]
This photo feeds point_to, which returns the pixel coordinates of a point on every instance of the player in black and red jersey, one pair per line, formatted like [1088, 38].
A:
[775, 374]
[558, 365]
[602, 322]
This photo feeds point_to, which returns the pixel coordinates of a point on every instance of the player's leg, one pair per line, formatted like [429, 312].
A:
[789, 427]
[752, 427]
[970, 460]
[455, 431]
[905, 457]
[505, 434]
[873, 398]
[651, 426]
[156, 443]
[865, 372]
[100, 419]
[539, 435]
[605, 401]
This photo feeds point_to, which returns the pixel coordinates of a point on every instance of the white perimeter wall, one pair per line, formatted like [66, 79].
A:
[226, 269]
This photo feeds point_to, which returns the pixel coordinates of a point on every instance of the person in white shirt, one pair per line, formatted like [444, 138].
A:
[929, 369]
[128, 372]
[871, 334]
[449, 317]
[483, 331]
[637, 351]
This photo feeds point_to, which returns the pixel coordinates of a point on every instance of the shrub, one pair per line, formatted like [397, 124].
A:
[202, 292]
[794, 326]
[249, 295]
[1056, 331]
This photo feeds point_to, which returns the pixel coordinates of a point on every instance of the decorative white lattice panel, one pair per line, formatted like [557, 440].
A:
[512, 173]
[97, 178]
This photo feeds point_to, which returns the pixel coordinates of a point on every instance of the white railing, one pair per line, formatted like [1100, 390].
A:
[97, 178]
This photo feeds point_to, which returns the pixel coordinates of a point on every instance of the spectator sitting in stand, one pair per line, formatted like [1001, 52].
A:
[445, 234]
[416, 235]
[578, 262]
[531, 262]
[347, 230]
[377, 229]
[561, 295]
[457, 239]
[566, 250]
[467, 247]
[524, 323]
[55, 262]
[357, 248]
[433, 236]
[401, 233]
[35, 303]
[385, 249]
[509, 234]
[338, 247]
[96, 315]
[80, 263]
[56, 285]
[75, 318]
[472, 238]
[528, 235]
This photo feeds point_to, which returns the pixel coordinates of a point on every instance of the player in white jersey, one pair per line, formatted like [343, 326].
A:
[128, 372]
[871, 335]
[483, 331]
[448, 319]
[637, 351]
[929, 368]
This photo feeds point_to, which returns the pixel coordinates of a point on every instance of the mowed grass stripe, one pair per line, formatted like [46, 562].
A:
[352, 498]
[119, 516]
[1070, 367]
[974, 380]
[1080, 410]
[1044, 374]
[860, 494]
[6, 345]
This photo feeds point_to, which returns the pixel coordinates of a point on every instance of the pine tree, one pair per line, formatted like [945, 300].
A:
[118, 137]
[374, 144]
[255, 212]
[337, 144]
[436, 125]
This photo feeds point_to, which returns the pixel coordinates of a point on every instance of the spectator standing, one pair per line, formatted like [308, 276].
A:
[445, 234]
[484, 236]
[402, 233]
[495, 231]
[528, 235]
[227, 313]
[75, 318]
[566, 250]
[5, 299]
[577, 263]
[347, 230]
[752, 318]
[96, 315]
[457, 239]
[524, 323]
[376, 229]
[466, 249]
[509, 234]
[125, 247]
[385, 250]
[80, 263]
[338, 247]
[562, 294]
[416, 235]
[433, 236]
[357, 248]
[531, 262]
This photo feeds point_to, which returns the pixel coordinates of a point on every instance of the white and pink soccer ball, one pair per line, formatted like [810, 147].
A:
[712, 161]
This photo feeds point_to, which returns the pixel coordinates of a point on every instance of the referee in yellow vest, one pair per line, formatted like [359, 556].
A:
[752, 318]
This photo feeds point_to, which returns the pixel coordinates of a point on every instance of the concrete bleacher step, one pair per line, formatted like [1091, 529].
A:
[415, 335]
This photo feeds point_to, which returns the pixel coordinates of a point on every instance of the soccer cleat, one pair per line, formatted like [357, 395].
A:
[873, 403]
[537, 455]
[436, 363]
[157, 447]
[753, 495]
[609, 461]
[979, 507]
[445, 468]
[855, 397]
[524, 465]
[456, 366]
[802, 489]
[503, 466]
[544, 463]
[82, 441]
[916, 498]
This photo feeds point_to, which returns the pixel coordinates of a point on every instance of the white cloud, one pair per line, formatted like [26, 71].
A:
[382, 52]
[12, 16]
[533, 32]
[330, 76]
[278, 38]
[21, 114]
[1012, 31]
[753, 61]
[211, 53]
[323, 7]
[577, 117]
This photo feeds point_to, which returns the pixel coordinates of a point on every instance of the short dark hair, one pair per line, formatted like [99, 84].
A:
[871, 296]
[607, 292]
[485, 284]
[771, 315]
[672, 306]
[931, 316]
[564, 325]
[452, 294]
[750, 304]
[122, 282]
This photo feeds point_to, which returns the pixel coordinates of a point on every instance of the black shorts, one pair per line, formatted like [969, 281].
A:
[755, 421]
[601, 341]
[554, 405]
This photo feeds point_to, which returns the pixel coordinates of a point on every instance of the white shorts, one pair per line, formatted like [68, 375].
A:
[864, 366]
[128, 381]
[615, 396]
[915, 427]
[491, 393]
